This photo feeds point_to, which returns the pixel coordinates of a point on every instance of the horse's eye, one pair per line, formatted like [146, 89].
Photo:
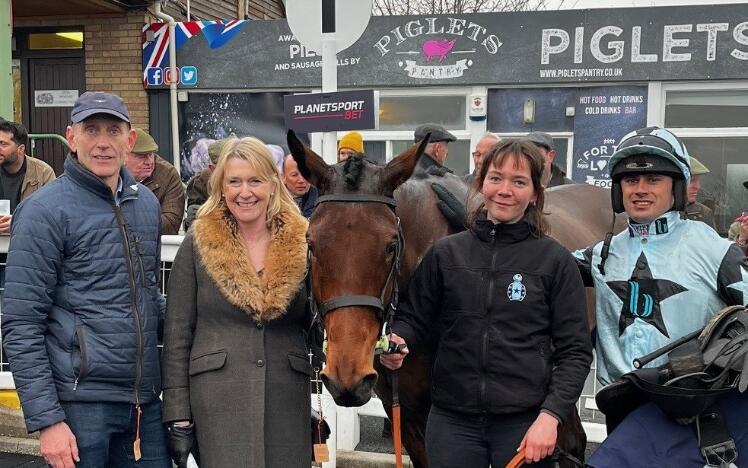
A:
[392, 248]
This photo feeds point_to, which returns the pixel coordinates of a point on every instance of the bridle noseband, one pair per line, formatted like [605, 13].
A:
[384, 312]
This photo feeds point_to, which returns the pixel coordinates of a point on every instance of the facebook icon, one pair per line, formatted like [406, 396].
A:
[154, 76]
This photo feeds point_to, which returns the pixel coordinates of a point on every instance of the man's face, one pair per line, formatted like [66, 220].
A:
[9, 150]
[481, 151]
[439, 150]
[345, 153]
[693, 188]
[141, 165]
[548, 156]
[295, 183]
[101, 144]
[646, 197]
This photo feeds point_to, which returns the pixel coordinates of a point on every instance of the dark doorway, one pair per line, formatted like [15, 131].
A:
[51, 79]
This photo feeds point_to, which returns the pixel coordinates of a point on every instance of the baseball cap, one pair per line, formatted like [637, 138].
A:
[438, 133]
[96, 102]
[541, 139]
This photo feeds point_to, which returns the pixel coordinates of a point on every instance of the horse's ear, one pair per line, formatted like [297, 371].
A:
[311, 166]
[401, 168]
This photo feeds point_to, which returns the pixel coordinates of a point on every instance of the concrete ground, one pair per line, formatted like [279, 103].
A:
[14, 460]
[374, 451]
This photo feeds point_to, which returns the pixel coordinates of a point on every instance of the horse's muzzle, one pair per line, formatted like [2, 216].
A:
[356, 395]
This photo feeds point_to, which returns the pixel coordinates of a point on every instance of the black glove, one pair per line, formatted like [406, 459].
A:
[181, 441]
[452, 209]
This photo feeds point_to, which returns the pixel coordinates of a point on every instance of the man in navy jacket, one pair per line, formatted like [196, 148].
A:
[82, 307]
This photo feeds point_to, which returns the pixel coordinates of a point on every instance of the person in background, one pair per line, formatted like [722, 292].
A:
[198, 187]
[236, 372]
[304, 193]
[437, 149]
[552, 174]
[738, 231]
[508, 304]
[695, 210]
[278, 155]
[82, 308]
[482, 148]
[20, 174]
[160, 177]
[352, 143]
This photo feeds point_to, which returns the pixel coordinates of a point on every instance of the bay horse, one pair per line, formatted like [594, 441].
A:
[354, 235]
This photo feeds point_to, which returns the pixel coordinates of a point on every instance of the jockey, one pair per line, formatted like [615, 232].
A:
[660, 279]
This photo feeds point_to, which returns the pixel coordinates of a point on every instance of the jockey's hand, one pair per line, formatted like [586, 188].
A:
[395, 360]
[540, 439]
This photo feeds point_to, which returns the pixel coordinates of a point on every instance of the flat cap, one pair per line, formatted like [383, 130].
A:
[438, 133]
[697, 168]
[541, 139]
[144, 143]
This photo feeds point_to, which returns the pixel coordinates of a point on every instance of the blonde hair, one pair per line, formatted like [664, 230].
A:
[258, 156]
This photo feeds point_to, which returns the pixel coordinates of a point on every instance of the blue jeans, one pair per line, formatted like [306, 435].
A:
[457, 440]
[105, 433]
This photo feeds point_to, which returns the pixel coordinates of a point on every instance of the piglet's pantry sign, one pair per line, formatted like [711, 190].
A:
[613, 45]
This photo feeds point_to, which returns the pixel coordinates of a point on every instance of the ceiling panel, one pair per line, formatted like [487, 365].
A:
[28, 8]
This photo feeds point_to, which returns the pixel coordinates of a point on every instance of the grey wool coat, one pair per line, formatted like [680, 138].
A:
[234, 357]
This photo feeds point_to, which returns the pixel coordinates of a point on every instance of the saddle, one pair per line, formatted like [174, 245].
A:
[701, 368]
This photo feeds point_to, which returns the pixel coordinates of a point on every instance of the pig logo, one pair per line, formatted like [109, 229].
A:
[438, 48]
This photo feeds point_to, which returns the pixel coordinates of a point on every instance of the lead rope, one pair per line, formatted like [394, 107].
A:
[321, 452]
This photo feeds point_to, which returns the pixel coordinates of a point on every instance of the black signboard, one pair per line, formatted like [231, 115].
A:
[605, 45]
[602, 116]
[328, 112]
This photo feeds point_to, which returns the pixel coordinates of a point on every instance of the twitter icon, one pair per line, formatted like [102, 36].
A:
[188, 76]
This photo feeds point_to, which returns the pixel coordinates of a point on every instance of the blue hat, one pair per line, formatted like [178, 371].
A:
[96, 102]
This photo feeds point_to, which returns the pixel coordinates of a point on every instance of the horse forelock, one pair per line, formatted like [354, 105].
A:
[353, 169]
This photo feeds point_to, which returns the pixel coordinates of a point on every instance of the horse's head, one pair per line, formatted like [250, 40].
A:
[354, 242]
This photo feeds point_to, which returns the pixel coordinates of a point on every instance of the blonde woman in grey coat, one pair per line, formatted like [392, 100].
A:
[235, 373]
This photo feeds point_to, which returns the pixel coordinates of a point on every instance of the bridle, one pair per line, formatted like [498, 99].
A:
[384, 312]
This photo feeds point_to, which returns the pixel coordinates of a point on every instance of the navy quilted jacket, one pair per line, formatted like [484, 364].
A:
[82, 308]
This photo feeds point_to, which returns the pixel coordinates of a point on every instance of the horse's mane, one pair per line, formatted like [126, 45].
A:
[352, 171]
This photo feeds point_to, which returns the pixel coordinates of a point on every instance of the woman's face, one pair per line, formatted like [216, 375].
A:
[247, 195]
[508, 190]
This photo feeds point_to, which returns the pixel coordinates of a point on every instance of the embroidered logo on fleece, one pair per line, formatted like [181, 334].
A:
[516, 290]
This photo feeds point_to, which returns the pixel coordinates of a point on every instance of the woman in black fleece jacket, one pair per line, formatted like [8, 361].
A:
[508, 305]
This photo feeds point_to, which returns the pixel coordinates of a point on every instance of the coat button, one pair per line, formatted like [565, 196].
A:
[259, 326]
[260, 363]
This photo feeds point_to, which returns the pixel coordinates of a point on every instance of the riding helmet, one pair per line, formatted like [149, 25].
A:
[651, 150]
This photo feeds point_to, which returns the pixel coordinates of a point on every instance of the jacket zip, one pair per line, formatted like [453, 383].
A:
[83, 370]
[139, 250]
[487, 321]
[133, 303]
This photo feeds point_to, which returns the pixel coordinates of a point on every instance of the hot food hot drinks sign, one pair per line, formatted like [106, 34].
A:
[606, 45]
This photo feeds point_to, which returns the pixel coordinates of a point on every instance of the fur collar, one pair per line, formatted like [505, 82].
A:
[266, 297]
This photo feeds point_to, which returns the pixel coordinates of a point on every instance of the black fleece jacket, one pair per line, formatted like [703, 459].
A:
[509, 310]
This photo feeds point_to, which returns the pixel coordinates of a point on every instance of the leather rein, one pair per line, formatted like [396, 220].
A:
[384, 312]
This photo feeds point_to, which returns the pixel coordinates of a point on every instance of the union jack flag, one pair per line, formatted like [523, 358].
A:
[156, 51]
